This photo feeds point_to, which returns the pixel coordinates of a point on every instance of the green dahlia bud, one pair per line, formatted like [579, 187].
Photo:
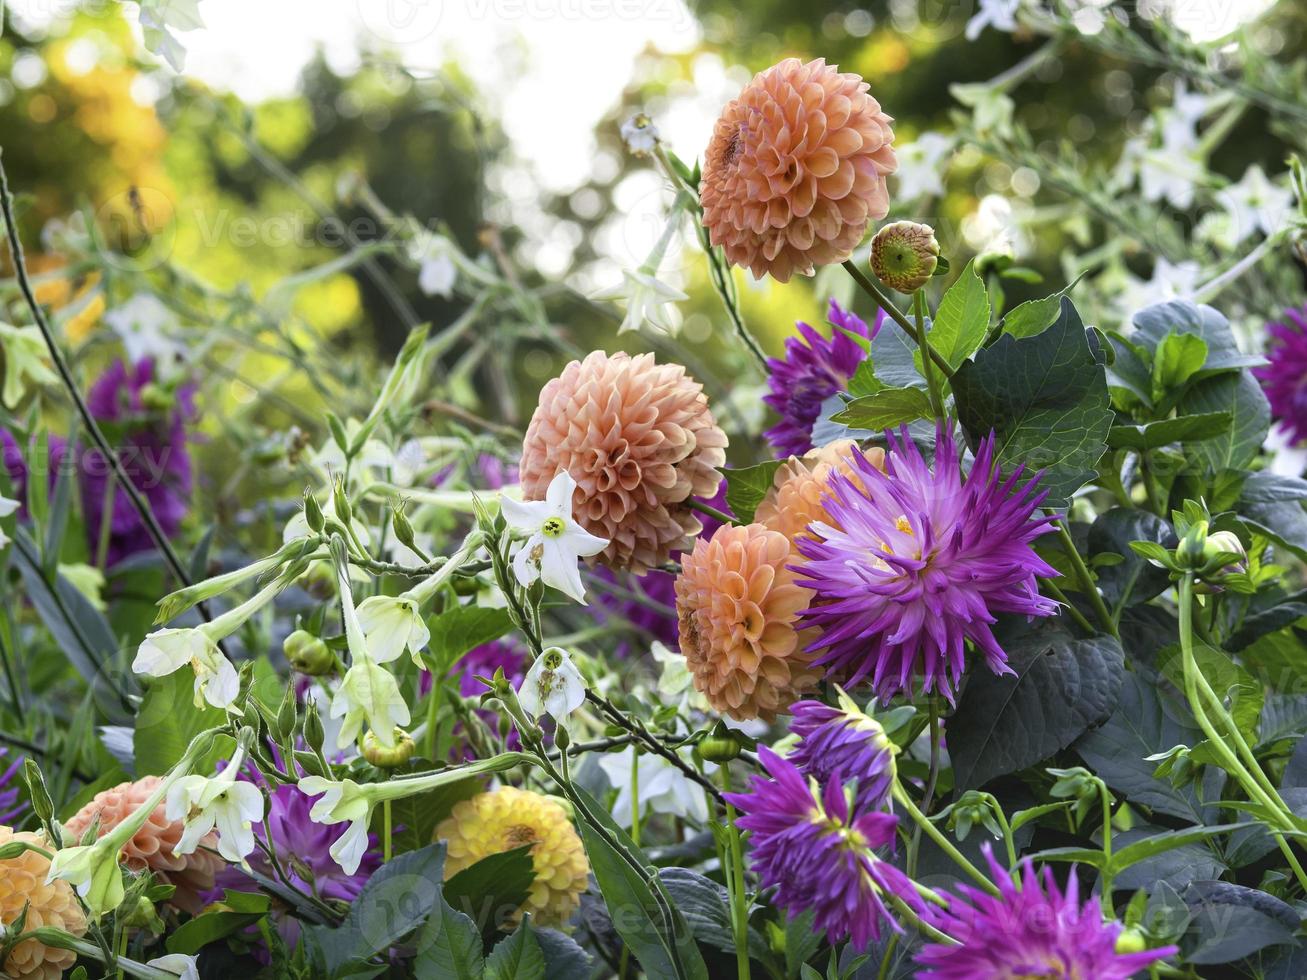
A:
[1226, 543]
[308, 654]
[1130, 941]
[388, 758]
[722, 745]
[1190, 553]
[904, 255]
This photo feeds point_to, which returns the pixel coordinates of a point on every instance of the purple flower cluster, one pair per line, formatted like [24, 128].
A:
[840, 743]
[12, 809]
[813, 369]
[817, 848]
[1284, 379]
[1028, 931]
[147, 427]
[915, 563]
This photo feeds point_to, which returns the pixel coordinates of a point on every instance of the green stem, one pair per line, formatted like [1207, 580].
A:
[927, 365]
[1105, 878]
[895, 314]
[1086, 580]
[942, 842]
[695, 504]
[735, 880]
[385, 823]
[1071, 610]
[911, 917]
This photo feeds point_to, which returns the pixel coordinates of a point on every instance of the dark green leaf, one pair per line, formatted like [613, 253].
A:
[886, 409]
[1242, 398]
[746, 487]
[397, 899]
[1154, 323]
[1135, 578]
[518, 957]
[1045, 397]
[449, 947]
[492, 890]
[458, 630]
[706, 907]
[1231, 922]
[1061, 686]
[1183, 428]
[167, 721]
[192, 936]
[564, 959]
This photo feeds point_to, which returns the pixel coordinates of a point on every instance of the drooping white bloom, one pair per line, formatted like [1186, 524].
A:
[640, 135]
[392, 625]
[648, 300]
[342, 802]
[437, 270]
[25, 356]
[922, 166]
[998, 14]
[554, 541]
[183, 966]
[146, 328]
[230, 805]
[1169, 281]
[167, 650]
[7, 507]
[662, 787]
[369, 693]
[159, 18]
[1256, 204]
[93, 871]
[553, 686]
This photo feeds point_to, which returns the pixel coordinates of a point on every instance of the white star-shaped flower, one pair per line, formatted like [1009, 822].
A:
[553, 686]
[1256, 204]
[146, 328]
[391, 625]
[662, 787]
[554, 541]
[7, 507]
[159, 18]
[998, 14]
[640, 135]
[921, 167]
[167, 650]
[342, 802]
[648, 300]
[222, 802]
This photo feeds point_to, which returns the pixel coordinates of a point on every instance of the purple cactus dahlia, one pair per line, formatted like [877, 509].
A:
[844, 743]
[1284, 379]
[813, 369]
[1027, 931]
[918, 563]
[819, 851]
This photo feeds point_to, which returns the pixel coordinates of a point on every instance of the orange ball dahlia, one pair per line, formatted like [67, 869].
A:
[796, 168]
[737, 604]
[800, 489]
[22, 882]
[152, 846]
[639, 440]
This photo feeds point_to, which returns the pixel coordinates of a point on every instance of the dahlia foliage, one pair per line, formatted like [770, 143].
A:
[957, 632]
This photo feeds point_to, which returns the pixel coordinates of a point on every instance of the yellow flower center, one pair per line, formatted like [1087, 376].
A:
[552, 527]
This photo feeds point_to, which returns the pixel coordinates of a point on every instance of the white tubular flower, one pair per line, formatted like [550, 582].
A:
[640, 135]
[661, 786]
[25, 357]
[998, 14]
[159, 18]
[167, 650]
[554, 541]
[342, 802]
[368, 693]
[93, 871]
[553, 686]
[178, 964]
[223, 802]
[7, 508]
[648, 299]
[145, 326]
[392, 625]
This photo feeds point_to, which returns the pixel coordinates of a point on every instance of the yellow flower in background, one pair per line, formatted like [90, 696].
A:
[76, 296]
[53, 904]
[508, 818]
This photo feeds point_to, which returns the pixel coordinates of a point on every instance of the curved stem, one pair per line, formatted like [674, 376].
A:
[942, 842]
[717, 515]
[885, 303]
[1086, 580]
[927, 353]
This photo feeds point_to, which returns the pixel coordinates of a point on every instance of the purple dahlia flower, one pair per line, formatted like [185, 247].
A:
[846, 743]
[1027, 931]
[819, 852]
[12, 809]
[913, 564]
[152, 447]
[813, 369]
[1284, 379]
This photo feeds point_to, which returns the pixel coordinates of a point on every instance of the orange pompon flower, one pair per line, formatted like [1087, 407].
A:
[639, 440]
[795, 170]
[152, 846]
[800, 489]
[22, 883]
[737, 604]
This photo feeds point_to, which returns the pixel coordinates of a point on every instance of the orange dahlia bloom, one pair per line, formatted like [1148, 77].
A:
[22, 883]
[737, 604]
[639, 440]
[800, 489]
[152, 846]
[796, 168]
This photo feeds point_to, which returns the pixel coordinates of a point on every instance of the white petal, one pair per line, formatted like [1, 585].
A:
[559, 495]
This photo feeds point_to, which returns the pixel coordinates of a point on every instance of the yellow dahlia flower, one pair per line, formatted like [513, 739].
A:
[507, 818]
[22, 882]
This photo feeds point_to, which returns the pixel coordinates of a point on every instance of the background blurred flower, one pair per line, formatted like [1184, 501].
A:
[1284, 379]
[795, 169]
[12, 806]
[914, 564]
[638, 439]
[813, 369]
[508, 818]
[152, 846]
[1027, 931]
[53, 905]
[738, 605]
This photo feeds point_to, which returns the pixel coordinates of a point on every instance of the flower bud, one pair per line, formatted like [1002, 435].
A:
[1130, 941]
[388, 758]
[1191, 552]
[308, 654]
[720, 746]
[341, 502]
[314, 734]
[904, 255]
[400, 524]
[313, 515]
[1220, 546]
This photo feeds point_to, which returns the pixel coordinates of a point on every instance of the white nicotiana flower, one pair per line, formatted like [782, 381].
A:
[662, 787]
[554, 541]
[553, 686]
[226, 803]
[374, 455]
[159, 18]
[1256, 204]
[391, 625]
[25, 356]
[648, 300]
[178, 964]
[146, 328]
[998, 14]
[922, 166]
[640, 135]
[342, 802]
[437, 270]
[7, 508]
[1180, 121]
[1170, 281]
[168, 650]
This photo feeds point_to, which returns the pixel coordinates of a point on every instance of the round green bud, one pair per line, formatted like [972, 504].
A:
[904, 255]
[718, 747]
[388, 758]
[1131, 941]
[308, 654]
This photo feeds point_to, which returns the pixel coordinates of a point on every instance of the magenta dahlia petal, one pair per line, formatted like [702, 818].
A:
[813, 369]
[1284, 379]
[1028, 930]
[12, 806]
[844, 742]
[915, 563]
[819, 853]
